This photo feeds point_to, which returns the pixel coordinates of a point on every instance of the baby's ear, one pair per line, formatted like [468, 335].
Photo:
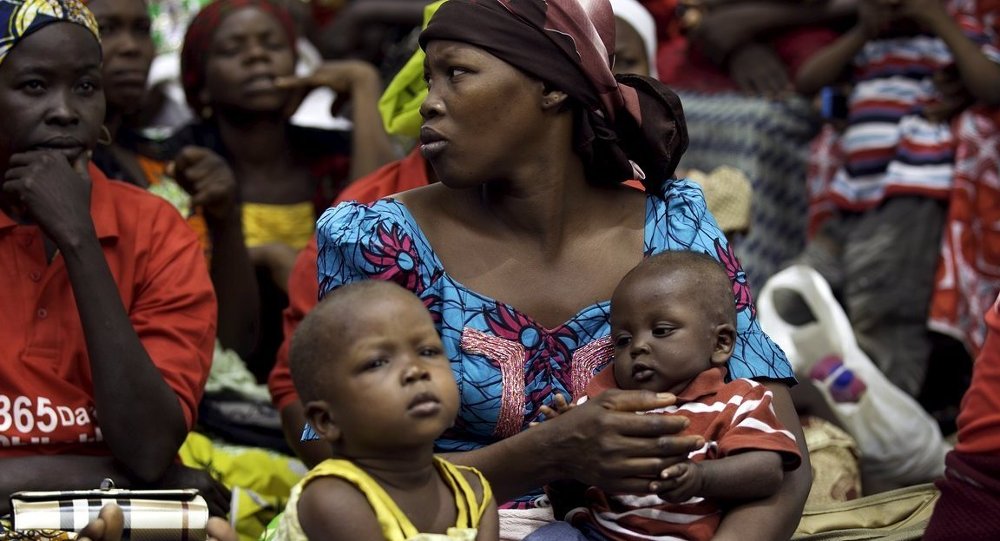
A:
[321, 418]
[725, 342]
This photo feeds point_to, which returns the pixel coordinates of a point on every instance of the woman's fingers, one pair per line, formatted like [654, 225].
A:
[632, 401]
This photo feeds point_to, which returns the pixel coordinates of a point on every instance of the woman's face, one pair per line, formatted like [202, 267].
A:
[249, 50]
[630, 50]
[481, 115]
[128, 50]
[51, 95]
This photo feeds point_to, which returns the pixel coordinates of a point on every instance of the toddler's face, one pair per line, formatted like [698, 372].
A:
[662, 336]
[391, 387]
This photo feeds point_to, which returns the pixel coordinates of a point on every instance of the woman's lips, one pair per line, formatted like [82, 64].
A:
[432, 143]
[432, 150]
[260, 83]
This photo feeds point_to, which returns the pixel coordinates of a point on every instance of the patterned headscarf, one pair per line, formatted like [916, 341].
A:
[629, 127]
[199, 36]
[20, 18]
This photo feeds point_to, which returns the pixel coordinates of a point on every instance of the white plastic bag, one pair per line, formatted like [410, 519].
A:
[900, 443]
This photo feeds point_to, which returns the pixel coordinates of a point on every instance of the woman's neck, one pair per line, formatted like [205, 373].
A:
[254, 139]
[548, 200]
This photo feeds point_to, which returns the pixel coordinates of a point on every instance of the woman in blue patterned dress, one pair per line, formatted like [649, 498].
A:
[517, 250]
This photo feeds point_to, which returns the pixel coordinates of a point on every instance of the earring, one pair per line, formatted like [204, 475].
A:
[105, 137]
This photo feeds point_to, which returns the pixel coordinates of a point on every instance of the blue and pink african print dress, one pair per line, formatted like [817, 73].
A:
[505, 363]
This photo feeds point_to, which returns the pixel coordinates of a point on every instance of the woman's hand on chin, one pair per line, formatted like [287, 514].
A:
[54, 192]
[604, 443]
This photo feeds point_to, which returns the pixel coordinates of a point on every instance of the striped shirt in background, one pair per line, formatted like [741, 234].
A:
[733, 417]
[888, 148]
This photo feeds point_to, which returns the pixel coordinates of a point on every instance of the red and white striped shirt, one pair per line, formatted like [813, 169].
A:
[733, 417]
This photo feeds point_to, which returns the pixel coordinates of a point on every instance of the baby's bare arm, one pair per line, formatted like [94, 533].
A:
[743, 476]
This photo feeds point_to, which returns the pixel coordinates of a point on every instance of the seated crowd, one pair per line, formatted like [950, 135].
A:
[431, 309]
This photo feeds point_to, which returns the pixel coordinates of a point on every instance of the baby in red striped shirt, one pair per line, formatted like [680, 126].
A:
[673, 323]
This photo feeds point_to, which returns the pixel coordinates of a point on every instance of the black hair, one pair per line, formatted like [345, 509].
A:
[315, 345]
[705, 273]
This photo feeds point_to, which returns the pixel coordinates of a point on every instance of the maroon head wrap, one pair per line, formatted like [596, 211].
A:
[569, 44]
[199, 36]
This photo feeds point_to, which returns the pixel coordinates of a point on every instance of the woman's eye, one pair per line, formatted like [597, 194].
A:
[228, 49]
[275, 44]
[455, 72]
[33, 86]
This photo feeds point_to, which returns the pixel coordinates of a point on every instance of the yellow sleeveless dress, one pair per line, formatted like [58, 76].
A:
[395, 525]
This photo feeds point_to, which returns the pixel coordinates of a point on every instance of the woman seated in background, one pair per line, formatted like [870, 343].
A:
[238, 71]
[201, 185]
[531, 137]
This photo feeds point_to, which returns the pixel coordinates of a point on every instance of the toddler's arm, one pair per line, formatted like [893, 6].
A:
[489, 525]
[980, 75]
[332, 509]
[744, 476]
[829, 64]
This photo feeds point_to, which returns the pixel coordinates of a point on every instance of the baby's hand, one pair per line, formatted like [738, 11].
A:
[558, 407]
[680, 482]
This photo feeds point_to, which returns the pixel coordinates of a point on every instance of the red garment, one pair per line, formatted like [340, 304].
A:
[979, 417]
[968, 273]
[969, 507]
[303, 289]
[46, 389]
[733, 417]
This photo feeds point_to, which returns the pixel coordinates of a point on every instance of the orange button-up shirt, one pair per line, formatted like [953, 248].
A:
[46, 388]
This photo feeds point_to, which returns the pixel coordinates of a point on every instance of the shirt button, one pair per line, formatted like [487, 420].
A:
[35, 276]
[42, 313]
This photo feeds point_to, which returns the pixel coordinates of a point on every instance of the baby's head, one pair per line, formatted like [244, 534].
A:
[372, 373]
[672, 317]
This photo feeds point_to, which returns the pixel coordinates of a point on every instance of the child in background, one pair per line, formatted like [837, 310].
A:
[376, 384]
[673, 323]
[878, 190]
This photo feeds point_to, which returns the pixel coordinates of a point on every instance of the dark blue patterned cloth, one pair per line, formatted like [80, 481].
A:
[769, 141]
